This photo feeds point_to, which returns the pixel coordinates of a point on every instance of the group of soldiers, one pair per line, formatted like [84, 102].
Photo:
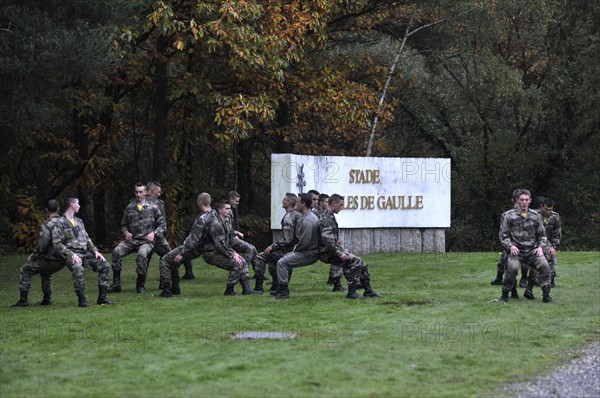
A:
[531, 239]
[309, 233]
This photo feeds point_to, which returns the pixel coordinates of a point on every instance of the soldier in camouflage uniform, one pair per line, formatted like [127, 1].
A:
[523, 235]
[217, 251]
[190, 249]
[247, 250]
[355, 269]
[142, 221]
[290, 224]
[305, 252]
[75, 248]
[42, 261]
[552, 224]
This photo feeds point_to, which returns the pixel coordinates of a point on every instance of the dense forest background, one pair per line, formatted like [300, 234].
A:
[97, 95]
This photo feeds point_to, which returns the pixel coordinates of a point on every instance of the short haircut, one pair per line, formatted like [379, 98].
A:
[221, 204]
[291, 197]
[548, 203]
[322, 197]
[525, 192]
[232, 194]
[52, 206]
[313, 192]
[335, 198]
[140, 185]
[152, 185]
[516, 193]
[306, 199]
[204, 199]
[69, 200]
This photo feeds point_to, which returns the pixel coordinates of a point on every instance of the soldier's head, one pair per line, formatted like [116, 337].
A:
[323, 201]
[304, 202]
[52, 206]
[547, 207]
[524, 200]
[140, 192]
[314, 196]
[204, 200]
[233, 198]
[538, 202]
[515, 195]
[154, 189]
[289, 201]
[336, 203]
[223, 208]
[72, 204]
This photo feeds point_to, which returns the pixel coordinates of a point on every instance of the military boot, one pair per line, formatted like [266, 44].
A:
[529, 291]
[229, 291]
[166, 291]
[369, 292]
[189, 272]
[337, 285]
[274, 284]
[102, 298]
[246, 289]
[140, 283]
[546, 292]
[283, 292]
[552, 284]
[504, 297]
[22, 299]
[514, 293]
[116, 286]
[498, 280]
[81, 297]
[523, 281]
[258, 284]
[47, 300]
[352, 292]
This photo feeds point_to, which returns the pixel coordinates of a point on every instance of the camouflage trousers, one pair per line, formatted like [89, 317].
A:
[335, 271]
[45, 268]
[169, 269]
[90, 262]
[292, 260]
[356, 271]
[228, 264]
[143, 249]
[267, 259]
[529, 258]
[246, 250]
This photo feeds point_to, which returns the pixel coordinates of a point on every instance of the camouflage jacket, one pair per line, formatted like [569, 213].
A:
[328, 228]
[141, 222]
[525, 231]
[192, 245]
[68, 239]
[161, 206]
[290, 228]
[553, 232]
[44, 248]
[218, 236]
[308, 238]
[318, 211]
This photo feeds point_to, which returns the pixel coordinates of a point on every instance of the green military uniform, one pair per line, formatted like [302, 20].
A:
[355, 269]
[69, 239]
[552, 224]
[245, 249]
[161, 245]
[43, 261]
[190, 248]
[526, 232]
[290, 231]
[335, 271]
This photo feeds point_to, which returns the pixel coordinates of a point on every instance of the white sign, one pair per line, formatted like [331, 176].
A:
[379, 192]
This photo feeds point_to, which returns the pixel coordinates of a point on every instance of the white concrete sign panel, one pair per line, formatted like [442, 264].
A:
[379, 192]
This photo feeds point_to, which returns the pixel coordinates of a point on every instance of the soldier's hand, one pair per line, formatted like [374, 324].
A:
[539, 251]
[76, 259]
[514, 250]
[99, 256]
[178, 258]
[552, 252]
[128, 235]
[268, 249]
[150, 237]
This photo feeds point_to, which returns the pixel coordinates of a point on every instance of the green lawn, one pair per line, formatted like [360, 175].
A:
[437, 332]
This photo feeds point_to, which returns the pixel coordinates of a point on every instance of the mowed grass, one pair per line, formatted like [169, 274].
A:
[438, 332]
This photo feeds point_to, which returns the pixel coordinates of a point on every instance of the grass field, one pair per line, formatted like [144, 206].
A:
[436, 333]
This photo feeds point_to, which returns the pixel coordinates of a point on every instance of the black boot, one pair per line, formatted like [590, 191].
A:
[274, 284]
[47, 300]
[175, 288]
[22, 299]
[504, 297]
[166, 291]
[330, 280]
[189, 272]
[246, 289]
[283, 292]
[229, 291]
[514, 293]
[116, 286]
[523, 281]
[498, 280]
[102, 298]
[258, 285]
[529, 291]
[369, 292]
[337, 285]
[81, 297]
[352, 292]
[552, 284]
[139, 283]
[546, 292]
